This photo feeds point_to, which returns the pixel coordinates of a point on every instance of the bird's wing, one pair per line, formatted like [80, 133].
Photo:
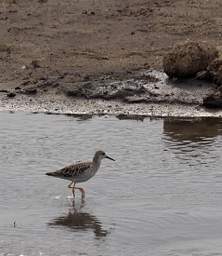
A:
[74, 170]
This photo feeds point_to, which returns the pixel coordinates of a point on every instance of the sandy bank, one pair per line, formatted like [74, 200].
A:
[160, 97]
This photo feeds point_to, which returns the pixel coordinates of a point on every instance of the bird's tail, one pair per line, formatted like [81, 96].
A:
[51, 173]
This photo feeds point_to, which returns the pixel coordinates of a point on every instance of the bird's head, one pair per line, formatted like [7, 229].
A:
[99, 155]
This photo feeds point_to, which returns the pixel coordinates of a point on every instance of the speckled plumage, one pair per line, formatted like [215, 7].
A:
[81, 171]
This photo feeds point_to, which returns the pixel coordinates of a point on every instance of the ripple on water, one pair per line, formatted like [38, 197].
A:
[161, 197]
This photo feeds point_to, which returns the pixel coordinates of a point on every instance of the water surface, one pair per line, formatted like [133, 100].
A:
[163, 195]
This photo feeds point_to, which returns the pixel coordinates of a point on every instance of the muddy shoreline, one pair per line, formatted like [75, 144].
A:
[61, 104]
[62, 56]
[144, 93]
[81, 107]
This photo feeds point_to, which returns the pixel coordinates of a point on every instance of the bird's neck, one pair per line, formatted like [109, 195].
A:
[96, 162]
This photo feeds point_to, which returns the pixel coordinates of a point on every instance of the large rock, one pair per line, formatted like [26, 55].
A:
[186, 59]
[214, 100]
[215, 71]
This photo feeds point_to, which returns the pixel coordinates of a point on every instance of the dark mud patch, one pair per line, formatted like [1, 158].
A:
[145, 87]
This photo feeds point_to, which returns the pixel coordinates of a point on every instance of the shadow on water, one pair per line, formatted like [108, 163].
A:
[192, 130]
[77, 220]
[190, 139]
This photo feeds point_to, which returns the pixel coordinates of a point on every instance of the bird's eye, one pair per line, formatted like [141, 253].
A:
[103, 153]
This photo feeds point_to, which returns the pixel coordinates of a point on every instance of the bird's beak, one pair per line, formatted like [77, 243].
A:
[110, 158]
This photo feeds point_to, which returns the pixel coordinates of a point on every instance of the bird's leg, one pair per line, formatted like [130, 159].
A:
[73, 204]
[82, 203]
[82, 191]
[72, 187]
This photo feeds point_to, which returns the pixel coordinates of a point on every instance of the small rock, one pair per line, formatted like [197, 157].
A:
[25, 82]
[42, 78]
[30, 91]
[86, 78]
[4, 90]
[35, 64]
[202, 75]
[131, 117]
[11, 95]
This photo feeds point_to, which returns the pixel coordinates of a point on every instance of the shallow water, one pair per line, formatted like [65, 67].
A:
[163, 195]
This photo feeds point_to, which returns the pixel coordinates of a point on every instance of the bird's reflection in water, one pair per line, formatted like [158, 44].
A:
[76, 220]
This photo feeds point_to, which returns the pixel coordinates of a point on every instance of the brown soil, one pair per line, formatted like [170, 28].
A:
[74, 39]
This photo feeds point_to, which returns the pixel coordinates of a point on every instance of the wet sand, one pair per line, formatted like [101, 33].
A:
[64, 105]
[160, 98]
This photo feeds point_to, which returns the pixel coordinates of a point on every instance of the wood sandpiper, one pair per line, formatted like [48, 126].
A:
[80, 172]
